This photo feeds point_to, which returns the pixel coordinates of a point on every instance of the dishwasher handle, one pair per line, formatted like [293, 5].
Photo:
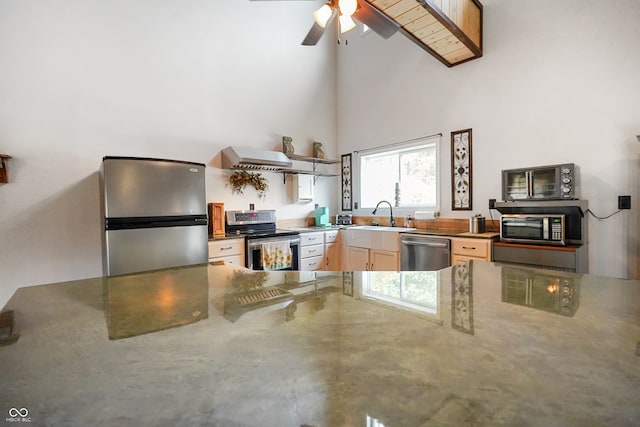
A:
[429, 244]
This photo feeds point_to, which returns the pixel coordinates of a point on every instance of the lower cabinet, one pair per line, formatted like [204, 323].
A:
[312, 251]
[320, 250]
[227, 250]
[467, 249]
[332, 252]
[574, 258]
[362, 259]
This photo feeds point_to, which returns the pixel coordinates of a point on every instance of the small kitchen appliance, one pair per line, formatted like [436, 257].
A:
[533, 228]
[322, 216]
[477, 224]
[344, 219]
[544, 222]
[554, 182]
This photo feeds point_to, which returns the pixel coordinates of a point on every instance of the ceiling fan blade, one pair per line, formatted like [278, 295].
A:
[317, 31]
[313, 35]
[376, 20]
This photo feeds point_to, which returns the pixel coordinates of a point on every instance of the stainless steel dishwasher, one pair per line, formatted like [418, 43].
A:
[420, 252]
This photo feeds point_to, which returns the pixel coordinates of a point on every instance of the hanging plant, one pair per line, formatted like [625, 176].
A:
[240, 179]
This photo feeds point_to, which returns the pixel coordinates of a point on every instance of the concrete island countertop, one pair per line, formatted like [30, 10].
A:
[474, 344]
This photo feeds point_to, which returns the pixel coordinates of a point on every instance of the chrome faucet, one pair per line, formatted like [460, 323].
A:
[392, 222]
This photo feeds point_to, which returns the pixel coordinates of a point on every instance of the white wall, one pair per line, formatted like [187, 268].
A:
[81, 79]
[558, 82]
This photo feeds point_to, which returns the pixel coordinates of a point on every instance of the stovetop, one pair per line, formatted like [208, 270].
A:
[265, 234]
[254, 233]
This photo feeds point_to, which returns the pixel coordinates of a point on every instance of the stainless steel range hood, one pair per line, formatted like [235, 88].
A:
[254, 158]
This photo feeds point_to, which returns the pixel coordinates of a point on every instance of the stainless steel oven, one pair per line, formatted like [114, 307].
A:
[261, 235]
[256, 244]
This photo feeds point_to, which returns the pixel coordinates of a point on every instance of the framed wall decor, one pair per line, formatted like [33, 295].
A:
[347, 200]
[461, 171]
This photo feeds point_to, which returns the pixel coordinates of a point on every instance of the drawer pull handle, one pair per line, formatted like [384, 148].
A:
[473, 248]
[227, 248]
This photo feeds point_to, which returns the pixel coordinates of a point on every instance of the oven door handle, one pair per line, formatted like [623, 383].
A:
[258, 243]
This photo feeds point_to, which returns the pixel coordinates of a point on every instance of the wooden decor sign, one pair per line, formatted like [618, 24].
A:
[4, 174]
[461, 170]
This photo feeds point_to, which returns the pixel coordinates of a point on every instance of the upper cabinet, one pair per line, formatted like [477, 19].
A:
[450, 30]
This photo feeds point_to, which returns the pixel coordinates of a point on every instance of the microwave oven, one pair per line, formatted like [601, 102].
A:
[533, 228]
[554, 182]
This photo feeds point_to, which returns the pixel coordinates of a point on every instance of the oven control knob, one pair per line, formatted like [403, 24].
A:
[566, 189]
[566, 171]
[566, 180]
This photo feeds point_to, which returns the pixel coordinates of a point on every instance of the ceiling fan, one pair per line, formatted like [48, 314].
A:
[346, 10]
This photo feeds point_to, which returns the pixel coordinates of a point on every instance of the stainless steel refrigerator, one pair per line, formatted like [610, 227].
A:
[155, 214]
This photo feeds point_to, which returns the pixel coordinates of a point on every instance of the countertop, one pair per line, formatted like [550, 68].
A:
[446, 233]
[423, 231]
[474, 344]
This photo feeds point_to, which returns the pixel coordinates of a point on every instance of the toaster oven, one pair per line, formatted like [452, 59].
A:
[343, 219]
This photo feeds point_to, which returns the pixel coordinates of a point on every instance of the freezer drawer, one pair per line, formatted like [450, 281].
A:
[142, 249]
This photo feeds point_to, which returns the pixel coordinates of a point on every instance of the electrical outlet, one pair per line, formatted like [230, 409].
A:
[624, 202]
[492, 203]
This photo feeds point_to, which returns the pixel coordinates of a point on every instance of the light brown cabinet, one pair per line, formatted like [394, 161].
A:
[216, 219]
[467, 249]
[362, 259]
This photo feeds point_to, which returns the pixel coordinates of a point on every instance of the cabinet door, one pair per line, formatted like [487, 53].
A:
[357, 259]
[383, 260]
[332, 256]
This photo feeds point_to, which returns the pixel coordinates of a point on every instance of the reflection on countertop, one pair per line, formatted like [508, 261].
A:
[207, 345]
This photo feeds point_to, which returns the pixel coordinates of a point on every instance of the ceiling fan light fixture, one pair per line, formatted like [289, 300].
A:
[348, 7]
[346, 23]
[322, 15]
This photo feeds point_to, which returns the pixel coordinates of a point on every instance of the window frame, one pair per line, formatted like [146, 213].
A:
[408, 145]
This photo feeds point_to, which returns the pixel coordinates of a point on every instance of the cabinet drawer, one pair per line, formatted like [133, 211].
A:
[314, 238]
[226, 247]
[311, 251]
[471, 247]
[313, 263]
[456, 259]
[231, 259]
[331, 236]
